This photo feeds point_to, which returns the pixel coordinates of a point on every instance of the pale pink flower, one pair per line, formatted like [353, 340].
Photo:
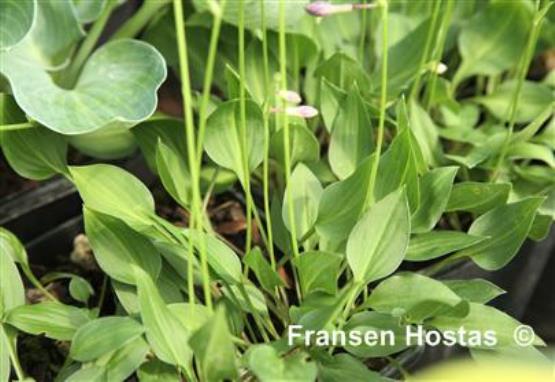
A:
[290, 96]
[324, 8]
[303, 111]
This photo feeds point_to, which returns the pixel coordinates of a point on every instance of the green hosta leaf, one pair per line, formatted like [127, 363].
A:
[507, 227]
[305, 191]
[89, 373]
[267, 277]
[18, 17]
[223, 139]
[476, 290]
[54, 31]
[55, 320]
[88, 10]
[484, 318]
[174, 173]
[116, 247]
[533, 127]
[540, 227]
[430, 245]
[12, 292]
[481, 152]
[116, 90]
[80, 289]
[125, 361]
[165, 332]
[532, 100]
[318, 271]
[425, 133]
[351, 138]
[248, 297]
[102, 336]
[531, 151]
[214, 349]
[253, 13]
[330, 98]
[343, 72]
[477, 197]
[378, 323]
[266, 364]
[8, 337]
[416, 297]
[113, 191]
[156, 371]
[345, 367]
[192, 316]
[11, 246]
[435, 187]
[378, 242]
[547, 136]
[493, 40]
[304, 146]
[342, 203]
[35, 153]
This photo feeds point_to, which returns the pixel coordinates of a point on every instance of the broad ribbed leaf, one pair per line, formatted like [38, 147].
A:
[476, 290]
[430, 245]
[305, 191]
[17, 19]
[88, 10]
[113, 191]
[507, 227]
[53, 319]
[477, 197]
[103, 335]
[378, 242]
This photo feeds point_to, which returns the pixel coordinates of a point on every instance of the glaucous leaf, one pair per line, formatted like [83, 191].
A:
[267, 277]
[433, 244]
[116, 247]
[415, 297]
[351, 137]
[318, 271]
[102, 336]
[214, 349]
[477, 197]
[532, 100]
[164, 331]
[435, 187]
[223, 138]
[113, 191]
[493, 39]
[507, 227]
[378, 242]
[18, 17]
[266, 364]
[53, 319]
[475, 290]
[305, 191]
[342, 203]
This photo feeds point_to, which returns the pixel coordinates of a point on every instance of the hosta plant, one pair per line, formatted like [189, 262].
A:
[372, 145]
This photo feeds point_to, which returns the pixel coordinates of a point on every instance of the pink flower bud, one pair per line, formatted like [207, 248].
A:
[323, 8]
[303, 111]
[290, 96]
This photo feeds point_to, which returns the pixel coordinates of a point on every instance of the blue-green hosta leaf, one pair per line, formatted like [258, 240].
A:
[430, 245]
[164, 331]
[484, 318]
[532, 100]
[88, 10]
[116, 247]
[305, 191]
[48, 44]
[214, 349]
[477, 197]
[113, 191]
[435, 187]
[18, 17]
[342, 203]
[102, 336]
[507, 227]
[493, 40]
[55, 320]
[476, 290]
[378, 242]
[351, 137]
[416, 297]
[223, 138]
[266, 364]
[116, 90]
[318, 271]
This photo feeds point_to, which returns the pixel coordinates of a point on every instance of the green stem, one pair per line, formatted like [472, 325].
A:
[522, 71]
[17, 126]
[208, 74]
[243, 125]
[13, 356]
[442, 36]
[88, 45]
[196, 216]
[140, 19]
[383, 104]
[431, 32]
[37, 284]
